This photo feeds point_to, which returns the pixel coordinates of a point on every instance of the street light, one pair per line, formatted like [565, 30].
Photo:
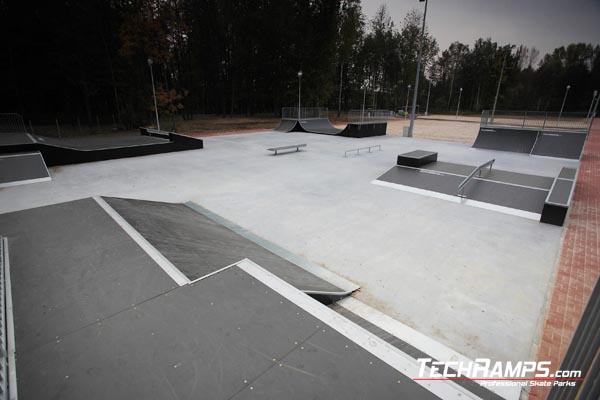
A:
[150, 62]
[364, 99]
[299, 91]
[498, 88]
[596, 106]
[564, 100]
[407, 97]
[428, 93]
[458, 105]
[589, 114]
[414, 104]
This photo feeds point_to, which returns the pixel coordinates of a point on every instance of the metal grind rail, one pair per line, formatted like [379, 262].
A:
[362, 148]
[461, 187]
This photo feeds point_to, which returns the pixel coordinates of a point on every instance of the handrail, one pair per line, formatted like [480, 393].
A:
[362, 148]
[461, 187]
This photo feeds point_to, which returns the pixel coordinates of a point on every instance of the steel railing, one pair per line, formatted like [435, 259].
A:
[362, 148]
[368, 116]
[461, 187]
[572, 121]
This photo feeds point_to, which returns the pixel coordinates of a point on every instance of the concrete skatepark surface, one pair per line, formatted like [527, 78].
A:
[472, 279]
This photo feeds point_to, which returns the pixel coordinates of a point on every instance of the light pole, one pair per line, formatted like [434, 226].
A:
[564, 100]
[407, 97]
[414, 104]
[589, 114]
[458, 105]
[150, 62]
[364, 99]
[596, 106]
[428, 93]
[498, 88]
[299, 91]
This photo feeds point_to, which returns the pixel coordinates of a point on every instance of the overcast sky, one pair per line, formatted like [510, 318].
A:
[545, 24]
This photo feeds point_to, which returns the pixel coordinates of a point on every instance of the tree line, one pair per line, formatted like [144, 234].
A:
[89, 58]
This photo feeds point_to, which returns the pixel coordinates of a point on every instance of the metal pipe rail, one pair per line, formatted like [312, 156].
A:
[362, 148]
[461, 187]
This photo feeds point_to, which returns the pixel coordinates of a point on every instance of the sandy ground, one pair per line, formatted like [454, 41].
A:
[437, 127]
[463, 129]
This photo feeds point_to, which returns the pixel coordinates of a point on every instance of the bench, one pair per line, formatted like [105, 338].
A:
[417, 158]
[559, 197]
[295, 146]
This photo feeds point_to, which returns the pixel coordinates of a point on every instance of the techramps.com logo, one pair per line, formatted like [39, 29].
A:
[489, 373]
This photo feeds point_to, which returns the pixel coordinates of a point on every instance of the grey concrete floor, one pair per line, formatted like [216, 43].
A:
[472, 279]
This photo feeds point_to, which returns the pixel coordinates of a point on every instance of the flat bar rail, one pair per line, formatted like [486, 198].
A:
[362, 148]
[294, 146]
[461, 187]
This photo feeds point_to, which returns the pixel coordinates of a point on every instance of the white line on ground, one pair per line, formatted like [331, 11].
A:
[328, 276]
[387, 353]
[25, 182]
[10, 328]
[19, 155]
[416, 339]
[456, 199]
[157, 256]
[477, 178]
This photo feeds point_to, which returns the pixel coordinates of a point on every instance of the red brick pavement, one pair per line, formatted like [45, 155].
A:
[579, 261]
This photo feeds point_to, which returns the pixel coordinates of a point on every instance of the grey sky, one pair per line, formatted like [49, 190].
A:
[545, 24]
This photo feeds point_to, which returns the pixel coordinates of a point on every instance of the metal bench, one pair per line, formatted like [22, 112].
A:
[295, 146]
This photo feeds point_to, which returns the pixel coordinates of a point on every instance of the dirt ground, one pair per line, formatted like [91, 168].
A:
[438, 127]
[463, 129]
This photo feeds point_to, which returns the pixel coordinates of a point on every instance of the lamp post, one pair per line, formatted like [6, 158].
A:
[428, 93]
[458, 105]
[150, 62]
[364, 99]
[407, 97]
[498, 88]
[299, 91]
[589, 114]
[564, 100]
[414, 104]
[596, 106]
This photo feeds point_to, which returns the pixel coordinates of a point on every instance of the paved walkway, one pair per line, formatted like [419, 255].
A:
[579, 261]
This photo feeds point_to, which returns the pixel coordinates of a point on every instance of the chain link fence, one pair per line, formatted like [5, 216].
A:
[368, 116]
[11, 123]
[304, 112]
